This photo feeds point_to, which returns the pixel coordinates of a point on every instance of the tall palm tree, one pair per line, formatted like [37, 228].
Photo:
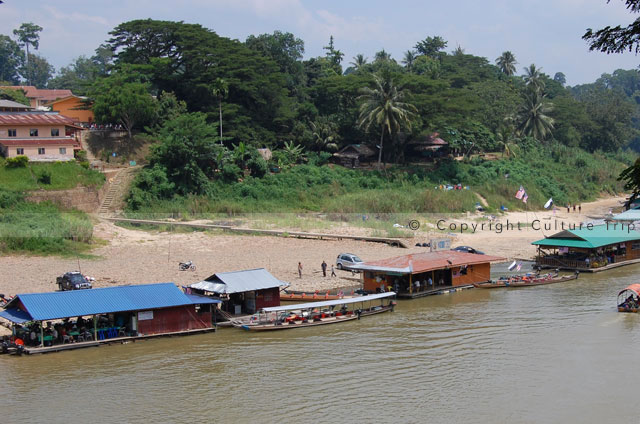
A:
[383, 107]
[409, 58]
[507, 63]
[533, 78]
[534, 117]
[358, 61]
[382, 56]
[220, 89]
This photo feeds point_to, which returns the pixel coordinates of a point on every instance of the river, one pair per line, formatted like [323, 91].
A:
[556, 353]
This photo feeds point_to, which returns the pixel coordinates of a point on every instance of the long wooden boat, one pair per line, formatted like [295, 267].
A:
[297, 296]
[318, 313]
[515, 283]
[629, 299]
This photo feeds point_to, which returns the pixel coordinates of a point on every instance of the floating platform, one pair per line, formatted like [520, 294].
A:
[424, 293]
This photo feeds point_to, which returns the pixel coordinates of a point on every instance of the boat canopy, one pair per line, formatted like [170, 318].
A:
[634, 288]
[344, 301]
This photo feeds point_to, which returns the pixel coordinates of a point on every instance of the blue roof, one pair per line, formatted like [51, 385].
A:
[65, 304]
[197, 299]
[15, 315]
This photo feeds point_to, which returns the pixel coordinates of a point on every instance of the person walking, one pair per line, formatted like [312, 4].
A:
[300, 269]
[324, 268]
[333, 272]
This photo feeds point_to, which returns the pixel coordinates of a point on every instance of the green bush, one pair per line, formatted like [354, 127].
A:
[17, 162]
[231, 173]
[258, 167]
[44, 177]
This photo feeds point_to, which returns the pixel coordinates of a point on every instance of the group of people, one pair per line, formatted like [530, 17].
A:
[116, 127]
[323, 266]
[630, 303]
[574, 208]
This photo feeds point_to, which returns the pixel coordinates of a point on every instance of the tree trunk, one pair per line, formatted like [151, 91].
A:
[380, 151]
[27, 65]
[220, 106]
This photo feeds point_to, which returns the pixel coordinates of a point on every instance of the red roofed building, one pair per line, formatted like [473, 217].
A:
[39, 96]
[422, 274]
[41, 136]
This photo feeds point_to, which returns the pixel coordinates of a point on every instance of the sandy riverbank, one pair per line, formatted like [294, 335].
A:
[137, 257]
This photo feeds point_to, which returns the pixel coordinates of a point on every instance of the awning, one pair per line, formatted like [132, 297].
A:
[633, 287]
[15, 315]
[202, 300]
[326, 303]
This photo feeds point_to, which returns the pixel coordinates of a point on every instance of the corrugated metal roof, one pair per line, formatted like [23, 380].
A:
[33, 118]
[592, 237]
[630, 215]
[54, 305]
[239, 281]
[12, 104]
[427, 261]
[15, 315]
[202, 300]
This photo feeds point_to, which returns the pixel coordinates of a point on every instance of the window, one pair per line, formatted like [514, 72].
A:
[33, 132]
[41, 150]
[13, 133]
[19, 151]
[55, 132]
[635, 245]
[63, 150]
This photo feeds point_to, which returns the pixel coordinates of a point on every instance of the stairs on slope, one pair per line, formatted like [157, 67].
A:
[118, 188]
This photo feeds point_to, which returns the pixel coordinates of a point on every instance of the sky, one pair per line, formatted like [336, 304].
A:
[545, 32]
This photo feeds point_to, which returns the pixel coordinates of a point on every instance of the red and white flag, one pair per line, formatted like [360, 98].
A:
[520, 193]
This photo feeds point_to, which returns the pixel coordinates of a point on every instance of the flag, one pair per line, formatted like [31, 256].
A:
[525, 197]
[513, 265]
[519, 266]
[520, 193]
[549, 203]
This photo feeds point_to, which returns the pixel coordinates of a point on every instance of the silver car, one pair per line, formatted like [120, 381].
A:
[347, 260]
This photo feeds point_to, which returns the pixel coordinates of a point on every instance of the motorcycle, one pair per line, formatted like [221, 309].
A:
[187, 266]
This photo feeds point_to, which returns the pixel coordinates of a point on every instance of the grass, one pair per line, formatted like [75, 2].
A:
[64, 175]
[42, 228]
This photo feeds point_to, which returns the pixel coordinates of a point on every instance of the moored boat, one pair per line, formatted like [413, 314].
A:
[318, 313]
[629, 299]
[527, 281]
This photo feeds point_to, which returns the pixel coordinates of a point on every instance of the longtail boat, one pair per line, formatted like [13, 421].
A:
[629, 299]
[525, 281]
[299, 296]
[318, 313]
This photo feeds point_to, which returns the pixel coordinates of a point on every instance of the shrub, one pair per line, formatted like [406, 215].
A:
[44, 177]
[17, 162]
[231, 172]
[81, 156]
[258, 167]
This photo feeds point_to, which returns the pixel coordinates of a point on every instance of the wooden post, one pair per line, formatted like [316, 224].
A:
[433, 279]
[410, 284]
[95, 328]
[41, 334]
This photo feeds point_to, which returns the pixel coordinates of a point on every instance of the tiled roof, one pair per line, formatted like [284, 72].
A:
[12, 104]
[427, 261]
[33, 118]
[40, 93]
[58, 141]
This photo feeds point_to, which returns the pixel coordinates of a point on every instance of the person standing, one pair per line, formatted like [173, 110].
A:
[300, 269]
[333, 272]
[324, 269]
[579, 209]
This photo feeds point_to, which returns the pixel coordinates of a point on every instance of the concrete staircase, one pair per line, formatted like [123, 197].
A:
[118, 187]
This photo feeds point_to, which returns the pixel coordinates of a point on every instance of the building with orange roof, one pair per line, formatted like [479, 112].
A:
[39, 97]
[422, 274]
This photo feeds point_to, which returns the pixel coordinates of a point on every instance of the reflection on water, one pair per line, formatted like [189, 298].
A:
[540, 354]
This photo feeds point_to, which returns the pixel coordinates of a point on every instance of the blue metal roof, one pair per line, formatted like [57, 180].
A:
[15, 315]
[202, 300]
[65, 304]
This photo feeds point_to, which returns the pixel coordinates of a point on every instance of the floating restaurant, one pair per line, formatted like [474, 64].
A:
[423, 274]
[590, 248]
[242, 292]
[48, 322]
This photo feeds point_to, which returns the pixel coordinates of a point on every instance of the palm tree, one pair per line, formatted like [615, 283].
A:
[358, 61]
[534, 116]
[220, 89]
[325, 133]
[409, 58]
[507, 63]
[533, 78]
[383, 107]
[459, 51]
[505, 138]
[382, 56]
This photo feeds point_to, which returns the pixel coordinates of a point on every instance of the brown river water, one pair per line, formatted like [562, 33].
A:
[547, 354]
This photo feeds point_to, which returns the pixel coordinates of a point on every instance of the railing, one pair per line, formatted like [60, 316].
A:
[559, 262]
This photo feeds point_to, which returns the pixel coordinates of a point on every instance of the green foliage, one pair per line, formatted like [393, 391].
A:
[257, 166]
[11, 60]
[64, 175]
[44, 177]
[37, 71]
[78, 77]
[17, 162]
[14, 95]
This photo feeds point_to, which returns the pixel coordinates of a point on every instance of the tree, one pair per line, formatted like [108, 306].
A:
[283, 47]
[77, 77]
[431, 46]
[220, 89]
[617, 39]
[28, 34]
[383, 107]
[123, 98]
[14, 95]
[409, 58]
[324, 132]
[11, 60]
[358, 61]
[507, 63]
[631, 177]
[533, 78]
[382, 56]
[38, 71]
[560, 78]
[534, 116]
[334, 56]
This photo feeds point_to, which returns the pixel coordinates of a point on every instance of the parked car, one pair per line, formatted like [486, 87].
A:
[467, 249]
[73, 281]
[347, 260]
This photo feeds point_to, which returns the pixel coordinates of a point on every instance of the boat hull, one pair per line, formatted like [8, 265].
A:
[542, 282]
